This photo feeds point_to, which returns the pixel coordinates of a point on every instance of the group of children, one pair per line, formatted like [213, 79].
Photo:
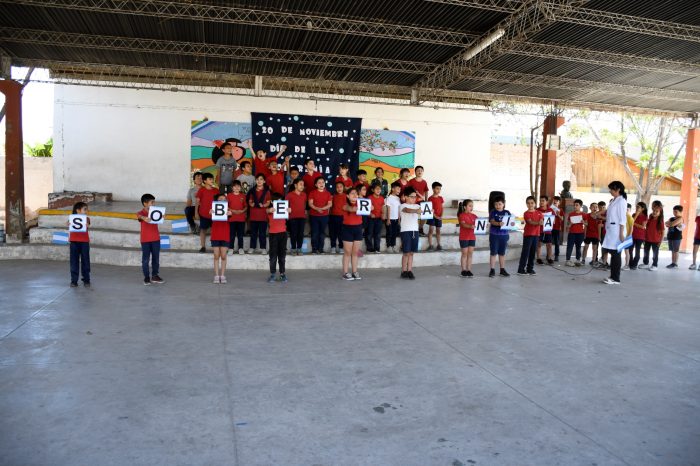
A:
[394, 207]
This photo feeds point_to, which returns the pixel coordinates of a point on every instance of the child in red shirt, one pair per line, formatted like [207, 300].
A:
[335, 221]
[639, 232]
[421, 187]
[261, 161]
[362, 180]
[435, 224]
[220, 240]
[534, 219]
[275, 178]
[545, 236]
[654, 235]
[576, 232]
[259, 200]
[150, 241]
[80, 249]
[591, 237]
[467, 237]
[205, 196]
[404, 173]
[320, 202]
[278, 242]
[352, 236]
[238, 206]
[343, 177]
[311, 176]
[556, 229]
[297, 219]
[374, 222]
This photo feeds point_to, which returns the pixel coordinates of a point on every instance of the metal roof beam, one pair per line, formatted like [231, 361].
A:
[596, 18]
[133, 44]
[162, 9]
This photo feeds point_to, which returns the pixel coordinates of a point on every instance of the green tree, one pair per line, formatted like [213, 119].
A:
[40, 150]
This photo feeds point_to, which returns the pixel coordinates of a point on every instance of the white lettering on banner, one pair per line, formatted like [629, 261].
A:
[364, 206]
[426, 210]
[281, 209]
[481, 226]
[77, 223]
[219, 209]
[548, 223]
[156, 214]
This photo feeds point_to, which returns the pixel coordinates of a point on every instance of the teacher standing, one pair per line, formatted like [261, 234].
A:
[616, 229]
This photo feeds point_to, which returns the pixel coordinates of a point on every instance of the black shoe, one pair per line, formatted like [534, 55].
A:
[464, 273]
[202, 250]
[410, 275]
[556, 259]
[86, 284]
[403, 275]
[550, 261]
[469, 274]
[157, 279]
[522, 272]
[504, 273]
[492, 273]
[146, 282]
[531, 272]
[540, 262]
[73, 285]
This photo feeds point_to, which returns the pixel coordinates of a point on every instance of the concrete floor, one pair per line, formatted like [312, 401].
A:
[440, 371]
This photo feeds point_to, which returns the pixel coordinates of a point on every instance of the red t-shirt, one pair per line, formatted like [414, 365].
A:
[351, 218]
[236, 202]
[206, 197]
[438, 203]
[263, 166]
[466, 234]
[149, 231]
[310, 181]
[277, 225]
[297, 202]
[404, 185]
[79, 236]
[320, 198]
[339, 200]
[275, 182]
[576, 227]
[347, 181]
[377, 206]
[639, 233]
[592, 227]
[258, 214]
[653, 235]
[557, 220]
[220, 231]
[421, 186]
[534, 216]
[697, 227]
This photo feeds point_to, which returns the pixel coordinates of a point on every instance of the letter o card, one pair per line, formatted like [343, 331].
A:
[156, 214]
[219, 209]
[77, 223]
[364, 206]
[426, 210]
[280, 209]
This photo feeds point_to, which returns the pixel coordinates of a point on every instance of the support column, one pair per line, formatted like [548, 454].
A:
[14, 164]
[689, 186]
[549, 157]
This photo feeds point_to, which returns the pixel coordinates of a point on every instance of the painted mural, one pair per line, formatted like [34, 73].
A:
[207, 137]
[388, 149]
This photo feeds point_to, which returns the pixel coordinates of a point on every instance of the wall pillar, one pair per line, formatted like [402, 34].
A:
[549, 157]
[689, 186]
[14, 163]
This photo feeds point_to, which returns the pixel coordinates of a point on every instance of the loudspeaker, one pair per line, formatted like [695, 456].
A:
[492, 196]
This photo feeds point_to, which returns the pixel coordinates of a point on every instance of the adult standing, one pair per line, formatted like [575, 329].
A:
[616, 229]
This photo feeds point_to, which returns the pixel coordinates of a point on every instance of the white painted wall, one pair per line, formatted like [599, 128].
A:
[129, 141]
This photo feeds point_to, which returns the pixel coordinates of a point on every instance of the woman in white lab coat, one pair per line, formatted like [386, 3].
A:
[616, 229]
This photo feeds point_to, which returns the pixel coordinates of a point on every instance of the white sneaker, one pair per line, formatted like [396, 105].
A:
[222, 279]
[241, 251]
[643, 266]
[652, 268]
[356, 276]
[692, 267]
[348, 276]
[626, 267]
[263, 251]
[230, 252]
[217, 279]
[256, 251]
[610, 281]
[569, 263]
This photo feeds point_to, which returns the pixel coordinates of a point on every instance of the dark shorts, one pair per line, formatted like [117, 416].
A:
[546, 238]
[435, 222]
[497, 244]
[467, 243]
[204, 223]
[674, 245]
[409, 241]
[351, 233]
[696, 241]
[593, 241]
[215, 243]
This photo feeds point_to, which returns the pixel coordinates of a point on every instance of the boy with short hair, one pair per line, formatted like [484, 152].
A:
[275, 178]
[225, 167]
[591, 237]
[435, 224]
[421, 187]
[246, 178]
[534, 219]
[150, 242]
[278, 242]
[320, 202]
[409, 214]
[205, 197]
[545, 237]
[311, 176]
[374, 223]
[362, 179]
[262, 162]
[392, 205]
[577, 228]
[379, 179]
[675, 235]
[292, 176]
[498, 236]
[192, 201]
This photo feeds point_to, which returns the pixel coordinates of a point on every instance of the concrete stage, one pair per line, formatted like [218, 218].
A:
[440, 371]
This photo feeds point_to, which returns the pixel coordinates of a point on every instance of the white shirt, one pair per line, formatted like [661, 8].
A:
[616, 216]
[409, 222]
[393, 202]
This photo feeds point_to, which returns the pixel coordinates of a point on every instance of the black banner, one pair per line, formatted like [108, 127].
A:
[328, 141]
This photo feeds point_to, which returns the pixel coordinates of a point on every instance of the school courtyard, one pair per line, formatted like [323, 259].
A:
[556, 369]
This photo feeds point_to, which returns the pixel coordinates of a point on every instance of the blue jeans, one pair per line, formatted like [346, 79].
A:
[335, 226]
[79, 260]
[296, 232]
[258, 231]
[555, 240]
[527, 256]
[150, 251]
[574, 239]
[318, 231]
[236, 230]
[392, 232]
[374, 234]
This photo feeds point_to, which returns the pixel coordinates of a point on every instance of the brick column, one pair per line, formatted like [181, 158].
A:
[689, 187]
[549, 157]
[14, 164]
